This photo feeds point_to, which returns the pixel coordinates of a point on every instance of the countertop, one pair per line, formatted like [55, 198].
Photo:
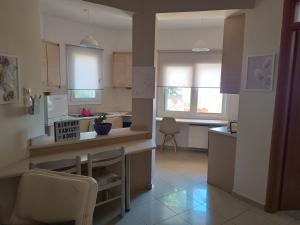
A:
[199, 122]
[132, 147]
[48, 141]
[109, 115]
[222, 130]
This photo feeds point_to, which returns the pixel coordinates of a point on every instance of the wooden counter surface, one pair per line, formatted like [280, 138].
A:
[131, 148]
[45, 145]
[199, 122]
[222, 130]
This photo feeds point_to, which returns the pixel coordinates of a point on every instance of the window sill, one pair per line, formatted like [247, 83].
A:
[200, 122]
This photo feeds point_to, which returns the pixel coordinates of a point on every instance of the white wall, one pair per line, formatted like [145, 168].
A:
[68, 32]
[20, 36]
[185, 39]
[262, 35]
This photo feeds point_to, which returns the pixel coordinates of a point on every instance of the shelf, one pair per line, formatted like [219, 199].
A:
[109, 200]
[110, 185]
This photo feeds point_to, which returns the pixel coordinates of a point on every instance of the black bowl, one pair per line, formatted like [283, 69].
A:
[103, 128]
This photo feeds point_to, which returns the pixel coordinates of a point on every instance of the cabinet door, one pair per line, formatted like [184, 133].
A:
[233, 45]
[84, 125]
[44, 63]
[122, 69]
[117, 122]
[53, 69]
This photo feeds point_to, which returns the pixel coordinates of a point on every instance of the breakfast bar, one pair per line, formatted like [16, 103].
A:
[137, 145]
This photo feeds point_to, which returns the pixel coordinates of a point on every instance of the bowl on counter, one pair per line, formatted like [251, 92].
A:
[103, 128]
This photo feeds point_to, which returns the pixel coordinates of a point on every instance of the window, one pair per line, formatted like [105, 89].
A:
[178, 99]
[208, 79]
[189, 85]
[84, 70]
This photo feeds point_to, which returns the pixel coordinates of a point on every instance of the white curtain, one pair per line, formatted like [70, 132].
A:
[189, 69]
[84, 68]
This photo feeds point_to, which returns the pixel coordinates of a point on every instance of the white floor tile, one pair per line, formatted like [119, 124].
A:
[202, 216]
[179, 202]
[153, 212]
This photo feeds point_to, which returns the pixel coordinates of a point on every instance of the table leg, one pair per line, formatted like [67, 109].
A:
[127, 182]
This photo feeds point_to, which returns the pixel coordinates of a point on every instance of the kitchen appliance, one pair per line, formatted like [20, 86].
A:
[56, 109]
[233, 127]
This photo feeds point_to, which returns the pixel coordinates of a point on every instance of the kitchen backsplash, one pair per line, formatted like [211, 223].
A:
[113, 100]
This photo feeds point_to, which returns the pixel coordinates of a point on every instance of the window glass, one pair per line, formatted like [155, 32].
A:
[177, 99]
[84, 94]
[209, 100]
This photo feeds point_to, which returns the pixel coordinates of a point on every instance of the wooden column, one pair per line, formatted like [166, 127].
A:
[143, 46]
[143, 94]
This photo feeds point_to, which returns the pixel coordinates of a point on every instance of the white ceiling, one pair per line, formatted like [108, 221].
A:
[118, 19]
[99, 15]
[193, 19]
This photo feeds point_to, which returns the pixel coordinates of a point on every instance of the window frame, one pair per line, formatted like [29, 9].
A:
[192, 114]
[85, 101]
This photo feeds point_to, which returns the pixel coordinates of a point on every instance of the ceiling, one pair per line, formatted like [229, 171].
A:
[194, 19]
[98, 15]
[118, 19]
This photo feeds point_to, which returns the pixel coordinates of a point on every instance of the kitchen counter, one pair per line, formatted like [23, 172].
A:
[199, 122]
[221, 158]
[109, 115]
[222, 130]
[44, 145]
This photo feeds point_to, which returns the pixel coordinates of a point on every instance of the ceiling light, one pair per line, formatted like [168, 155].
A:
[200, 49]
[89, 40]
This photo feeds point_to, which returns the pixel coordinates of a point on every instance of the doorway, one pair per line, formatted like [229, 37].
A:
[284, 183]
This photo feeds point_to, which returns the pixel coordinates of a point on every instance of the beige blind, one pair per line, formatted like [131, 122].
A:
[189, 69]
[84, 68]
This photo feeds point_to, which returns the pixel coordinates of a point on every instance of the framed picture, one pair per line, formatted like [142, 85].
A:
[260, 72]
[9, 79]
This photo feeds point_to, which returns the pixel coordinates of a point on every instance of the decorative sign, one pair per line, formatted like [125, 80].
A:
[260, 72]
[9, 79]
[66, 130]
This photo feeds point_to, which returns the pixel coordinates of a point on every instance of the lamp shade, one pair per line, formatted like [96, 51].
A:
[89, 41]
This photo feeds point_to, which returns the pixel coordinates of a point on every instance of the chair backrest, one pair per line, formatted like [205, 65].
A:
[168, 125]
[63, 165]
[52, 197]
[103, 159]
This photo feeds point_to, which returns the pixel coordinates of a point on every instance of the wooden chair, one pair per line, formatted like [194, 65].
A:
[54, 198]
[107, 180]
[169, 128]
[64, 165]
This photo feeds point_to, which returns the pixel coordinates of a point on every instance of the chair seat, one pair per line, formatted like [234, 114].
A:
[104, 177]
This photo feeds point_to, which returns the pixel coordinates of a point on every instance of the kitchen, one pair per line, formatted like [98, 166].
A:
[156, 39]
[115, 38]
[113, 96]
[176, 36]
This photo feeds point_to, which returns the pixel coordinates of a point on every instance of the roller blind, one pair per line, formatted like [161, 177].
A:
[84, 68]
[189, 69]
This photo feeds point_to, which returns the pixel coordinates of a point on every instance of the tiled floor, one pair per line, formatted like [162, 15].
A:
[181, 196]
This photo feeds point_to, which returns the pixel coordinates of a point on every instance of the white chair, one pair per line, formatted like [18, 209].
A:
[63, 165]
[169, 129]
[98, 169]
[53, 197]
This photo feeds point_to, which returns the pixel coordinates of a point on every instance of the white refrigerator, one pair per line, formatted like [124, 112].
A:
[56, 108]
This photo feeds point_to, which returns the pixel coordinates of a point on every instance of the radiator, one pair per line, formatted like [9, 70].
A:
[198, 137]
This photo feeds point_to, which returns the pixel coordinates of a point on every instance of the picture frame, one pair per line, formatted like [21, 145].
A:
[9, 79]
[260, 72]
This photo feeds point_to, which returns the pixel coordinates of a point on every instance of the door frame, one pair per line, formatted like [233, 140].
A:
[282, 109]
